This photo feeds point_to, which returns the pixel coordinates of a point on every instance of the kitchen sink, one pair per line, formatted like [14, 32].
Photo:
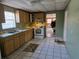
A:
[12, 32]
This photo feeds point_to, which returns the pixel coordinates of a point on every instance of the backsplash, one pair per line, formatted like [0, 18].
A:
[19, 25]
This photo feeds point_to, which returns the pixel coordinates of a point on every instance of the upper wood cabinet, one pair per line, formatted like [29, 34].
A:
[22, 17]
[2, 20]
[40, 16]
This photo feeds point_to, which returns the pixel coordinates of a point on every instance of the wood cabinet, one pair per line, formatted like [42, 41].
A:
[11, 43]
[7, 46]
[22, 17]
[27, 17]
[39, 15]
[2, 20]
[16, 41]
[28, 35]
[21, 38]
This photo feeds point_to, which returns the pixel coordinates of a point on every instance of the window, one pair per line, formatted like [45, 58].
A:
[9, 20]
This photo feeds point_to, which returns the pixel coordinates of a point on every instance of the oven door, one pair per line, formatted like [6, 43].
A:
[39, 31]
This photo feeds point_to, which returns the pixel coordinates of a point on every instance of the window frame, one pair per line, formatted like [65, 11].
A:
[13, 16]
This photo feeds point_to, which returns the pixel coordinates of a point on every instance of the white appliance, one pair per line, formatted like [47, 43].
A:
[39, 33]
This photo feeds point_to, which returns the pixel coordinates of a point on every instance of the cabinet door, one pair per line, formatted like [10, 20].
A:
[24, 17]
[26, 36]
[8, 46]
[30, 34]
[27, 17]
[21, 16]
[16, 42]
[21, 38]
[39, 16]
[2, 14]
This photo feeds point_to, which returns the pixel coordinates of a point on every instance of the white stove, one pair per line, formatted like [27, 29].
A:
[39, 33]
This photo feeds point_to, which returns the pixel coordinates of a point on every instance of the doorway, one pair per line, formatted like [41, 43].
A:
[51, 23]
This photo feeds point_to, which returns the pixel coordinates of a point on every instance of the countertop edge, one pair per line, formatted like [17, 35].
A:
[11, 34]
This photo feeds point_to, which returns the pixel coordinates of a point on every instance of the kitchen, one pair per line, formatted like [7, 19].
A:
[22, 22]
[16, 33]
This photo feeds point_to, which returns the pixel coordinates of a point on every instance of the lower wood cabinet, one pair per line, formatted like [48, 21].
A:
[11, 43]
[8, 46]
[16, 42]
[21, 38]
[28, 35]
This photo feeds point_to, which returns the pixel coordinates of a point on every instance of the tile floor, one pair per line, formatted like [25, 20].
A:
[47, 49]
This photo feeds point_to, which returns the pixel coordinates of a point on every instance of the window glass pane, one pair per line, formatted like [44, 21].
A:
[9, 15]
[9, 20]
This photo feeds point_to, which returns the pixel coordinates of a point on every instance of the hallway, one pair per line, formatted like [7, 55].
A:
[51, 24]
[49, 32]
[47, 49]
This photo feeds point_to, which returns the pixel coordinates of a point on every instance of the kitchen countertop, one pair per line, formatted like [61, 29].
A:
[10, 34]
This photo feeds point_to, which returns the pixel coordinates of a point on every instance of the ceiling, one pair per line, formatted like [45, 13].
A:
[37, 5]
